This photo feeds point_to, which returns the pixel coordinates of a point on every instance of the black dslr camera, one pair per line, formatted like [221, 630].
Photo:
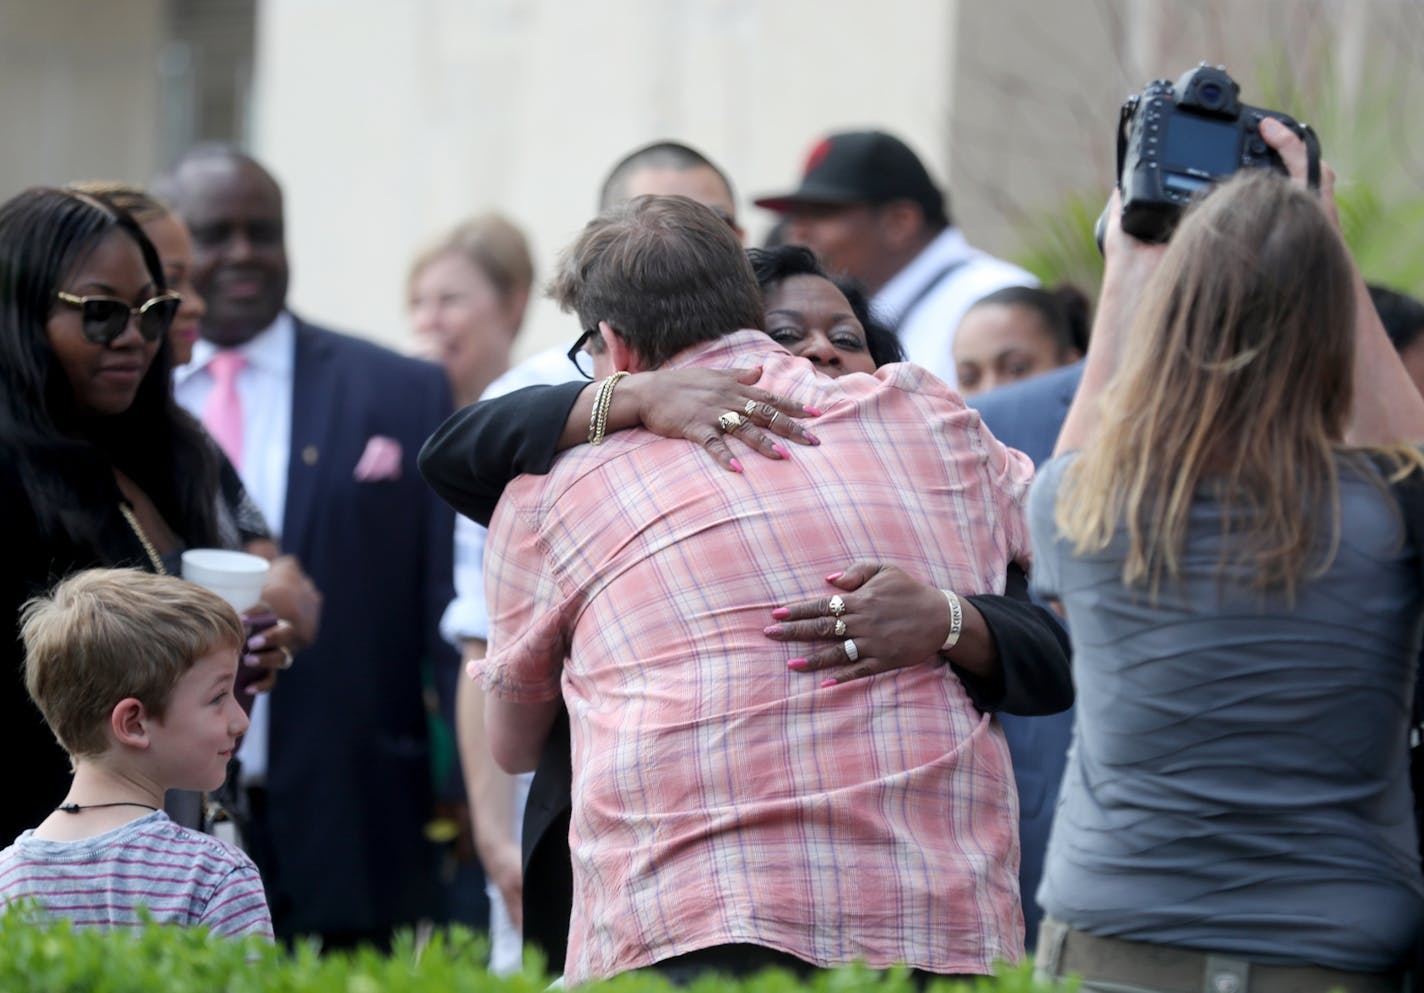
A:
[1174, 141]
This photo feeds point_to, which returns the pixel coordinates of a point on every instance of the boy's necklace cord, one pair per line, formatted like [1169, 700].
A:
[74, 808]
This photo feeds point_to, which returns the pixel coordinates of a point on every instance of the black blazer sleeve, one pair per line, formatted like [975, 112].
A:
[473, 456]
[1035, 676]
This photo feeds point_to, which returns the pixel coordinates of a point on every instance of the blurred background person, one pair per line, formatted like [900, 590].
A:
[1403, 318]
[1017, 333]
[468, 292]
[1244, 605]
[1027, 415]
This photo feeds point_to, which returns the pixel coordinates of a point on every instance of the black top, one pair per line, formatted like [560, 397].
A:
[29, 565]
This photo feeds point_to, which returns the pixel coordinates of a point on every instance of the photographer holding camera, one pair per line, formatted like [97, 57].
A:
[1221, 527]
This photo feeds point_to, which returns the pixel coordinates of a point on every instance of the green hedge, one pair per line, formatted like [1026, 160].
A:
[55, 958]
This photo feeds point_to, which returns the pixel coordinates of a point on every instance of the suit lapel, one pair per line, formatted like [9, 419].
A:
[316, 402]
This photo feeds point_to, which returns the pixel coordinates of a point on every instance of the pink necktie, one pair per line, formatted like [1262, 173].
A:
[222, 414]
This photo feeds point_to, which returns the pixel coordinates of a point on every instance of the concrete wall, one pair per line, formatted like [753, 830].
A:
[389, 120]
[81, 90]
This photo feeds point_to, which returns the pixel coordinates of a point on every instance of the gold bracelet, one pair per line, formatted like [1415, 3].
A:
[602, 400]
[593, 431]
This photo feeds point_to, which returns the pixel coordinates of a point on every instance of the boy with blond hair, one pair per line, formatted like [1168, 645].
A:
[134, 675]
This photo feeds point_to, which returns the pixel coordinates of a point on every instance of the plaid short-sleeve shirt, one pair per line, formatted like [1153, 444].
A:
[719, 797]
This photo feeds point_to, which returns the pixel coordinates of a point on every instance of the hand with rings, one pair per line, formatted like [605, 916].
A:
[883, 619]
[706, 406]
[271, 647]
[729, 421]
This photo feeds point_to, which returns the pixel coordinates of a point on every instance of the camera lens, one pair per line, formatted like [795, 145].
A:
[1210, 95]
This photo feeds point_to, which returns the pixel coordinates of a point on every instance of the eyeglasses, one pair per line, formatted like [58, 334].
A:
[580, 357]
[727, 219]
[105, 318]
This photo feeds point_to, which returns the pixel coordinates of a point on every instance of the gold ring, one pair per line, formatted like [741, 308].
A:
[750, 408]
[286, 656]
[837, 606]
[729, 421]
[840, 628]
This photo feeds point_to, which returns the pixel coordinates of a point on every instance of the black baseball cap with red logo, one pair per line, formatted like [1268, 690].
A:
[852, 167]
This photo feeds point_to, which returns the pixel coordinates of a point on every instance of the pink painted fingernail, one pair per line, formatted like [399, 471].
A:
[828, 683]
[834, 576]
[771, 630]
[796, 664]
[256, 642]
[812, 411]
[781, 451]
[811, 438]
[251, 660]
[736, 465]
[781, 613]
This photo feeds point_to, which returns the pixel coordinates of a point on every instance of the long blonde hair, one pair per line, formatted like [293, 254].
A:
[1237, 368]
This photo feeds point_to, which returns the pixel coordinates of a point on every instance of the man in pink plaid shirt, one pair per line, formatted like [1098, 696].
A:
[720, 800]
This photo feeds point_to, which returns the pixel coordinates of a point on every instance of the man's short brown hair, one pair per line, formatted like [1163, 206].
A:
[666, 272]
[103, 635]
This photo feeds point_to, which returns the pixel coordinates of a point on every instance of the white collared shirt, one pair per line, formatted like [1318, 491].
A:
[466, 616]
[265, 389]
[927, 332]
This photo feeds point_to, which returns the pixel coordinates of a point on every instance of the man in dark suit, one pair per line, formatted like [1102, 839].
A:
[1028, 415]
[324, 429]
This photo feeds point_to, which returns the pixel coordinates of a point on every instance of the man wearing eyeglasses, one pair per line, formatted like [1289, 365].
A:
[324, 429]
[534, 877]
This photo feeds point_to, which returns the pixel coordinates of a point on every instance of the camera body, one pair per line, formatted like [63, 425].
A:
[1176, 140]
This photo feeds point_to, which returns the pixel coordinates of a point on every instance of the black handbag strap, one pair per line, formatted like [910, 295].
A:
[926, 290]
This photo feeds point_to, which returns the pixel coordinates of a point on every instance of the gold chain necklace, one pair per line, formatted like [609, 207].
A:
[153, 555]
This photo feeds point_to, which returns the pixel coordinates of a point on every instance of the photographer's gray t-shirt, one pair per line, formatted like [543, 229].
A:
[1238, 780]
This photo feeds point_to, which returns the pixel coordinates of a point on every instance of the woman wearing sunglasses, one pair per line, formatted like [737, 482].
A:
[98, 466]
[289, 591]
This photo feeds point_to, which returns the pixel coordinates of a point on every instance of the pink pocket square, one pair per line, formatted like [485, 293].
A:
[381, 460]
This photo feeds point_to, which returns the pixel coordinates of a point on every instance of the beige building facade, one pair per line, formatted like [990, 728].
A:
[389, 120]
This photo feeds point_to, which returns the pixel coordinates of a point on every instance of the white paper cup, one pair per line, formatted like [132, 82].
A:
[237, 577]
